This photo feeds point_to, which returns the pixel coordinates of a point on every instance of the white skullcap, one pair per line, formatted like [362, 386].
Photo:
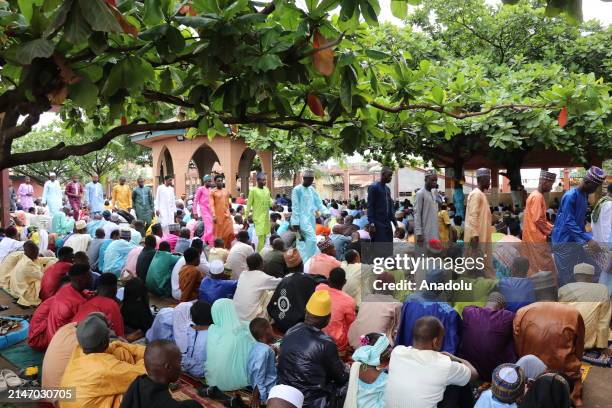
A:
[52, 174]
[584, 269]
[287, 393]
[431, 172]
[216, 267]
[308, 173]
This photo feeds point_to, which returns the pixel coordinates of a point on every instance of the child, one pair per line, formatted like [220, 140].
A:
[107, 205]
[218, 252]
[368, 377]
[457, 228]
[261, 363]
[508, 384]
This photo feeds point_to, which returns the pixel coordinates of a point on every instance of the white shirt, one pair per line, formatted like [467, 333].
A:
[8, 245]
[250, 289]
[78, 242]
[418, 378]
[602, 229]
[174, 278]
[108, 228]
[236, 259]
[165, 203]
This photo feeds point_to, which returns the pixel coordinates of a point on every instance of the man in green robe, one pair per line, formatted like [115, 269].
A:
[160, 271]
[142, 200]
[61, 224]
[259, 202]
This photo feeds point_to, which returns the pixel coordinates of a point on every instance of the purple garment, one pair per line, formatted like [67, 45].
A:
[487, 339]
[26, 200]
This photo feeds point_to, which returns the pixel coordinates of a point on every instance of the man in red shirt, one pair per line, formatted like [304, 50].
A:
[343, 308]
[56, 274]
[60, 308]
[74, 192]
[106, 302]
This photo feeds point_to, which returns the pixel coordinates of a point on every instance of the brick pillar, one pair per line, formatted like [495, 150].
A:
[4, 197]
[346, 176]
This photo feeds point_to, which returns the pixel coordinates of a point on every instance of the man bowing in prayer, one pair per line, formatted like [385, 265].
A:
[142, 199]
[74, 192]
[306, 201]
[259, 202]
[426, 210]
[536, 227]
[25, 192]
[569, 235]
[224, 227]
[204, 209]
[478, 217]
[380, 208]
[165, 203]
[52, 194]
[94, 195]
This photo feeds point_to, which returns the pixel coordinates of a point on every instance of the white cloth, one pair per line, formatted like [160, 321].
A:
[174, 278]
[287, 393]
[181, 324]
[165, 203]
[52, 196]
[8, 245]
[418, 378]
[251, 287]
[108, 228]
[236, 259]
[602, 229]
[78, 242]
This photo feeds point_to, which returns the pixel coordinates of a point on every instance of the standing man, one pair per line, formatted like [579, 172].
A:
[204, 209]
[74, 192]
[380, 208]
[25, 192]
[569, 235]
[220, 199]
[165, 203]
[142, 199]
[426, 210]
[478, 218]
[536, 227]
[94, 195]
[52, 195]
[260, 202]
[12, 196]
[122, 196]
[601, 219]
[306, 202]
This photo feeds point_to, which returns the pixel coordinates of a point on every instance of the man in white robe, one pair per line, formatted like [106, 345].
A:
[52, 194]
[165, 203]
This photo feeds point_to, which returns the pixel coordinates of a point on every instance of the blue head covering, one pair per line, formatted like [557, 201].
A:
[370, 355]
[206, 178]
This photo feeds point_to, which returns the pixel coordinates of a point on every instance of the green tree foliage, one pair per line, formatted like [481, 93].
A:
[128, 66]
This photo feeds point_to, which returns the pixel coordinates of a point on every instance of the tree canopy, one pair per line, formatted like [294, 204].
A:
[327, 76]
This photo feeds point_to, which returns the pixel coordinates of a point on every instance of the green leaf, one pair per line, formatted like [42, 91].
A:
[191, 133]
[27, 8]
[196, 21]
[76, 30]
[168, 7]
[368, 12]
[34, 49]
[130, 73]
[219, 127]
[97, 42]
[438, 95]
[203, 126]
[346, 88]
[235, 8]
[434, 128]
[176, 41]
[251, 18]
[99, 16]
[311, 5]
[84, 93]
[165, 81]
[153, 13]
[378, 55]
[399, 8]
[327, 5]
[373, 81]
[59, 18]
[347, 9]
[268, 62]
[154, 33]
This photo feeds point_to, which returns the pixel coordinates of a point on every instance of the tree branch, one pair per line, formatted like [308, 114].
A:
[440, 109]
[23, 129]
[330, 44]
[161, 97]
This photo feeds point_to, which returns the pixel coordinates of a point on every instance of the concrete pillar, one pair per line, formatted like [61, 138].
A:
[494, 194]
[267, 167]
[448, 182]
[566, 179]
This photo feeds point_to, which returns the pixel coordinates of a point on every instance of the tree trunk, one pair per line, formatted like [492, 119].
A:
[513, 174]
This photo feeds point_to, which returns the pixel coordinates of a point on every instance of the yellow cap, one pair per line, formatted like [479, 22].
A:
[319, 303]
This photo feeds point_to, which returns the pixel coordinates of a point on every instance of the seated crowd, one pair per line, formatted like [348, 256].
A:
[327, 332]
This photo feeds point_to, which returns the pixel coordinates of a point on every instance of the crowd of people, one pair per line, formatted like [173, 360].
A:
[278, 297]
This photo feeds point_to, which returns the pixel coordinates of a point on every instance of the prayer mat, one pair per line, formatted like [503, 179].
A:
[187, 390]
[22, 356]
[597, 358]
[584, 371]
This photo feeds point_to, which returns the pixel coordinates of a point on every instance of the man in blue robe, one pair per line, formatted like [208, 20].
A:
[380, 208]
[94, 195]
[569, 236]
[306, 202]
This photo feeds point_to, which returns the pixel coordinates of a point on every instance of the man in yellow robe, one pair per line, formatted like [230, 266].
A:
[536, 227]
[122, 195]
[478, 220]
[25, 277]
[100, 371]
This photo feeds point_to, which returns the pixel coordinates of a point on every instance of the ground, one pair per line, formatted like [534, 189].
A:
[597, 390]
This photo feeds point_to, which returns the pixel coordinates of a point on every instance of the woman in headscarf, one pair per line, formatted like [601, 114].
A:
[550, 390]
[367, 382]
[227, 348]
[532, 366]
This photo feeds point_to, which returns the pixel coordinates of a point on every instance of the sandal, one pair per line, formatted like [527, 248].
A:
[3, 386]
[11, 379]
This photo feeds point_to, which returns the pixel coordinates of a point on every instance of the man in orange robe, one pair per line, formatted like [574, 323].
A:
[220, 200]
[536, 227]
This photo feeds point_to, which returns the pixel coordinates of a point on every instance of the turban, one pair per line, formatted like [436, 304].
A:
[547, 175]
[508, 382]
[319, 303]
[370, 354]
[92, 332]
[532, 366]
[595, 175]
[584, 269]
[482, 172]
